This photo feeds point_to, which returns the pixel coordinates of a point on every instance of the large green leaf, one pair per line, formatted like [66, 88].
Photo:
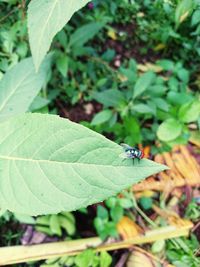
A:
[20, 86]
[49, 164]
[45, 19]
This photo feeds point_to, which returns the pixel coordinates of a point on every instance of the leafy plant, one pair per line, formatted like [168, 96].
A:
[181, 252]
[88, 258]
[54, 224]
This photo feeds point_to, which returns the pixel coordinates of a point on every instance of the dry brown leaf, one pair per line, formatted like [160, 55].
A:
[140, 257]
[184, 170]
[149, 66]
[127, 228]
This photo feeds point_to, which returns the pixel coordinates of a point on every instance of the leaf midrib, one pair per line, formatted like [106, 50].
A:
[46, 23]
[67, 163]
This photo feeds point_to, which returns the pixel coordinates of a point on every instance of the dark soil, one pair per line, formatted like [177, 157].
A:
[132, 46]
[83, 111]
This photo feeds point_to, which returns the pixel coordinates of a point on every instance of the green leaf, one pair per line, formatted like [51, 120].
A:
[183, 10]
[143, 83]
[158, 246]
[20, 86]
[109, 98]
[55, 225]
[189, 112]
[195, 17]
[178, 98]
[102, 213]
[45, 20]
[38, 103]
[49, 164]
[166, 64]
[102, 117]
[169, 130]
[146, 203]
[142, 108]
[105, 259]
[116, 213]
[85, 33]
[161, 104]
[62, 64]
[85, 259]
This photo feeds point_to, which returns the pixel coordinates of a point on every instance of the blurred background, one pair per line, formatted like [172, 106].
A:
[129, 70]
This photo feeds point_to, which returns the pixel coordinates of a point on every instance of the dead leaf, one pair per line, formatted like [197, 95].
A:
[184, 170]
[127, 228]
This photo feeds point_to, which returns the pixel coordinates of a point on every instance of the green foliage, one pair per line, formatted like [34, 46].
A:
[54, 224]
[107, 217]
[181, 252]
[169, 130]
[143, 83]
[98, 59]
[87, 258]
[193, 210]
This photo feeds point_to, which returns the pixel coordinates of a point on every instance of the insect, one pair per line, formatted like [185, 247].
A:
[132, 152]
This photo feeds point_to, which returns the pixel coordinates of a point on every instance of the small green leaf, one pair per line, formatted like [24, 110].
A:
[62, 64]
[102, 117]
[111, 202]
[143, 83]
[189, 112]
[146, 203]
[161, 104]
[49, 164]
[125, 203]
[105, 259]
[166, 64]
[178, 98]
[55, 225]
[84, 33]
[142, 108]
[102, 212]
[85, 258]
[158, 246]
[116, 213]
[169, 130]
[109, 98]
[67, 224]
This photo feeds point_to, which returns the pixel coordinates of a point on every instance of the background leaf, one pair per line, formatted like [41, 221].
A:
[183, 10]
[110, 97]
[102, 117]
[143, 83]
[189, 112]
[49, 164]
[85, 33]
[169, 130]
[20, 86]
[45, 19]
